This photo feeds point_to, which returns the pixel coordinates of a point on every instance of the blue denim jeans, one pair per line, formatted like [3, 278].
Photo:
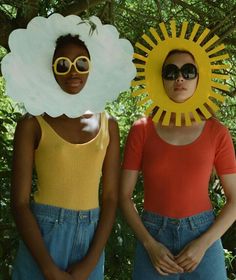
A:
[175, 234]
[67, 235]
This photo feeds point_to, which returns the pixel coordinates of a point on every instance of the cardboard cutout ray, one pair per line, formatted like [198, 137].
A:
[28, 67]
[149, 68]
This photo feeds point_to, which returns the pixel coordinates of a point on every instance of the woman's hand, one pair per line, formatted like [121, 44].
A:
[57, 274]
[162, 259]
[191, 255]
[80, 270]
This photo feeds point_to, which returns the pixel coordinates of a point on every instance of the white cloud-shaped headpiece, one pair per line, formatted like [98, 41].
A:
[28, 67]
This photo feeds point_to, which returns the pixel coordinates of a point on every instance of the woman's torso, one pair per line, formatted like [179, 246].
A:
[177, 173]
[69, 160]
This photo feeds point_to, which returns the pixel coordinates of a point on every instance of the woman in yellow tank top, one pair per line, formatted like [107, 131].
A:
[69, 155]
[64, 230]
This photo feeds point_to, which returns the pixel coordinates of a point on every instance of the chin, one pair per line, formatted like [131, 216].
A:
[72, 91]
[180, 99]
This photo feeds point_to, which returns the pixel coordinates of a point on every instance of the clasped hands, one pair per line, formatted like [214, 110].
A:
[186, 261]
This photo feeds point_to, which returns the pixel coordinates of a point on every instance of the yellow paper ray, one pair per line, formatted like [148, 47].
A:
[173, 28]
[184, 29]
[217, 96]
[163, 30]
[196, 116]
[140, 75]
[205, 112]
[178, 119]
[219, 66]
[203, 36]
[157, 116]
[139, 66]
[138, 83]
[194, 32]
[210, 42]
[212, 105]
[220, 86]
[140, 57]
[219, 76]
[155, 34]
[149, 41]
[187, 119]
[142, 47]
[218, 58]
[216, 49]
[166, 120]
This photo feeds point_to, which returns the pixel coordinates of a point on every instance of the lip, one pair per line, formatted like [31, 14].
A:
[74, 82]
[179, 88]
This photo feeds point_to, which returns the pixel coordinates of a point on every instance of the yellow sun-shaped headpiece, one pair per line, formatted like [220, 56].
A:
[208, 58]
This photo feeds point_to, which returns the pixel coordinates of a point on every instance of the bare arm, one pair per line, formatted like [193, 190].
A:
[160, 256]
[110, 180]
[228, 213]
[26, 136]
[192, 254]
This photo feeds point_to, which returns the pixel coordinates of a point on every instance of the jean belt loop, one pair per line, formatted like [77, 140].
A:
[192, 223]
[61, 216]
[91, 216]
[164, 223]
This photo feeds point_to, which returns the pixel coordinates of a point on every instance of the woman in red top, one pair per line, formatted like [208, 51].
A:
[178, 235]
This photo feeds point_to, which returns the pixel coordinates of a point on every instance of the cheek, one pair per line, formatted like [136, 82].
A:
[58, 79]
[194, 85]
[167, 86]
[85, 77]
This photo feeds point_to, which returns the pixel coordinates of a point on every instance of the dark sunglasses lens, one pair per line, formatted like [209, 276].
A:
[82, 64]
[189, 71]
[63, 66]
[170, 72]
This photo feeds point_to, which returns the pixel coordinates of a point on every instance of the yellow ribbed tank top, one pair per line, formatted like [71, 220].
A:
[69, 174]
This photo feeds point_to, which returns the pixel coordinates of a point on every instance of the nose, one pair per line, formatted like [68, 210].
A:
[180, 78]
[73, 70]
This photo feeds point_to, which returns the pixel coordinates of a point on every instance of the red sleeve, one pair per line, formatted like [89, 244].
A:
[225, 162]
[134, 146]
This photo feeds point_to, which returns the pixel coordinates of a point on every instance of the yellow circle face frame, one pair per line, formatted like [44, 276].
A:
[209, 66]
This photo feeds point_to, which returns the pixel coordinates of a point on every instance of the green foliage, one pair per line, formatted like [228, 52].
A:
[8, 240]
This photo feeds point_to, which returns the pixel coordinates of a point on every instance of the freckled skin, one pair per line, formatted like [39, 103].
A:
[180, 89]
[73, 82]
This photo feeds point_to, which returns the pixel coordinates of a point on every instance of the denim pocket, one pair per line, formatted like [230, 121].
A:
[47, 225]
[203, 227]
[153, 229]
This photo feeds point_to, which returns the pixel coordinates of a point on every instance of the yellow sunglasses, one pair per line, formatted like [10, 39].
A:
[62, 65]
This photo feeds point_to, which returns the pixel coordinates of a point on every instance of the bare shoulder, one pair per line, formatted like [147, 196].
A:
[27, 121]
[113, 129]
[28, 127]
[112, 124]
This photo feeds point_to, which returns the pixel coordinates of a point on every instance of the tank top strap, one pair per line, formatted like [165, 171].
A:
[40, 120]
[104, 136]
[42, 123]
[46, 129]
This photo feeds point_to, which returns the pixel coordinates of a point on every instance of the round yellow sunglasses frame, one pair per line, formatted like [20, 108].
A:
[70, 65]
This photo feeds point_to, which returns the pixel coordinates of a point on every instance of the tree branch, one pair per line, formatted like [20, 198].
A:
[26, 12]
[77, 8]
[6, 28]
[190, 8]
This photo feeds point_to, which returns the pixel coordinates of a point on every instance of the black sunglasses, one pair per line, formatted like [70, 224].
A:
[171, 72]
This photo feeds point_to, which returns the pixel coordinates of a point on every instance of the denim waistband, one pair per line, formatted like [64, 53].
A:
[193, 221]
[62, 214]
